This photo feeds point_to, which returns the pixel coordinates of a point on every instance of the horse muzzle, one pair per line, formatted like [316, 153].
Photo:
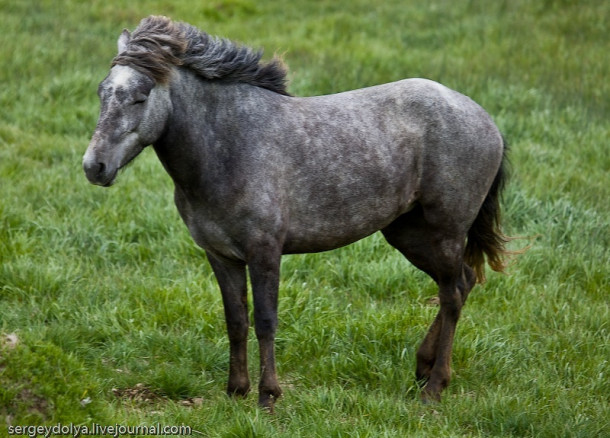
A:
[99, 173]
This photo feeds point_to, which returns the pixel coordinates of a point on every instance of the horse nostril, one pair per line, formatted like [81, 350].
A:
[92, 168]
[94, 171]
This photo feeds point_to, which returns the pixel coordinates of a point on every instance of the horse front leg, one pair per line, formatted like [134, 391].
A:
[264, 268]
[231, 277]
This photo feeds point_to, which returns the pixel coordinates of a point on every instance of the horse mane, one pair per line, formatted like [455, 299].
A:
[158, 44]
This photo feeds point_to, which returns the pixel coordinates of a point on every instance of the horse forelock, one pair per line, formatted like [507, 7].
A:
[158, 44]
[154, 48]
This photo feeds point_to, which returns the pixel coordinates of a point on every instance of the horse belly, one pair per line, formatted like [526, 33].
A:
[348, 196]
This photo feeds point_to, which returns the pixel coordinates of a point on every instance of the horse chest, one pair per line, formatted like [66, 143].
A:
[207, 229]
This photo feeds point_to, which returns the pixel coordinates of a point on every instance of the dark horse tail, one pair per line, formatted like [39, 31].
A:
[485, 237]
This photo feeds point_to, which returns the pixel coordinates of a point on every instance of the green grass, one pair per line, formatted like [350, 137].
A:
[105, 289]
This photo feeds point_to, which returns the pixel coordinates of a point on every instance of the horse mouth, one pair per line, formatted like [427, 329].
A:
[108, 183]
[105, 182]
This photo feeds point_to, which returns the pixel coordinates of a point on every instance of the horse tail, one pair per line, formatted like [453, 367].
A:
[485, 237]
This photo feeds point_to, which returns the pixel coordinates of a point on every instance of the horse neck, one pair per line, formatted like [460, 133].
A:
[200, 136]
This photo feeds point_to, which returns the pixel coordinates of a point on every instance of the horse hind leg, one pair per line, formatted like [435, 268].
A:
[434, 354]
[438, 251]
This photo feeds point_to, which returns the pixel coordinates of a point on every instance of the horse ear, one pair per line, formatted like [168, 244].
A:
[123, 40]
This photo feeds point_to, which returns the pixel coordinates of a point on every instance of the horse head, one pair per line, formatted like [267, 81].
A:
[134, 111]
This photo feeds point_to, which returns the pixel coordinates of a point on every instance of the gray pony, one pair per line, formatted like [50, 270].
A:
[259, 173]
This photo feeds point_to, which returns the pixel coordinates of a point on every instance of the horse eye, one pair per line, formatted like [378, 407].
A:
[140, 98]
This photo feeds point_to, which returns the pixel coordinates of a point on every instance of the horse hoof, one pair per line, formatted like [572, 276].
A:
[430, 397]
[428, 401]
[267, 404]
[422, 379]
[238, 391]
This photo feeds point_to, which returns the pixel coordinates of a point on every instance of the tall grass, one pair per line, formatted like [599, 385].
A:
[104, 288]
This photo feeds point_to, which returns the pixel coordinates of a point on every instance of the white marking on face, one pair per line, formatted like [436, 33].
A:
[121, 75]
[89, 158]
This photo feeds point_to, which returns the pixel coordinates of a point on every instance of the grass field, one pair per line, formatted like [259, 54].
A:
[109, 314]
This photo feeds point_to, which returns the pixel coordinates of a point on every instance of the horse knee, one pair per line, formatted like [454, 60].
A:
[265, 327]
[237, 330]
